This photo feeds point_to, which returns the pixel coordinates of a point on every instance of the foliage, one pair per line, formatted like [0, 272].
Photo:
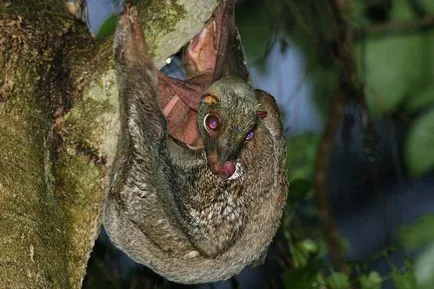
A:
[418, 233]
[395, 67]
[301, 152]
[371, 281]
[404, 279]
[310, 271]
[420, 144]
[424, 267]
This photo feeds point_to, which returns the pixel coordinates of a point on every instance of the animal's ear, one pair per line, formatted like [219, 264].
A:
[217, 49]
[129, 44]
[269, 105]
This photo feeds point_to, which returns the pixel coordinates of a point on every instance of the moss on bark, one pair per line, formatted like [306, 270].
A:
[32, 238]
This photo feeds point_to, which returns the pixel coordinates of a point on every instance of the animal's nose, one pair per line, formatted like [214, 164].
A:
[227, 169]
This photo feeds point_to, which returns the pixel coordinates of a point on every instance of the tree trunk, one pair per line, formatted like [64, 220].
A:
[58, 132]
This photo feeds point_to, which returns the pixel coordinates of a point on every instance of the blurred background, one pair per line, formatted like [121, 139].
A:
[375, 60]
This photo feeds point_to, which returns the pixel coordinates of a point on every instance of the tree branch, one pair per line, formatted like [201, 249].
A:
[342, 51]
[395, 27]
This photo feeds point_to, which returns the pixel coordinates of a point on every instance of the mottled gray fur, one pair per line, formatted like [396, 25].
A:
[165, 208]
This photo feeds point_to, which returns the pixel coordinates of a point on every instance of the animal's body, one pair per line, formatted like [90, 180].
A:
[193, 214]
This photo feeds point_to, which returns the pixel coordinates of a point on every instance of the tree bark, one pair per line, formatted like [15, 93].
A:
[58, 132]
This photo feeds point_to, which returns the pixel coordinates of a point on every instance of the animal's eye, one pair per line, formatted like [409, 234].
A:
[212, 122]
[249, 135]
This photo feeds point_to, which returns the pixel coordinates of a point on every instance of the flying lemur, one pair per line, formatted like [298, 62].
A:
[199, 182]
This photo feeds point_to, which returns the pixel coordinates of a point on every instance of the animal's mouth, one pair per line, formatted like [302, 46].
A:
[224, 169]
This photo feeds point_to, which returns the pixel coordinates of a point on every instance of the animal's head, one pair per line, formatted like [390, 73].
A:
[227, 119]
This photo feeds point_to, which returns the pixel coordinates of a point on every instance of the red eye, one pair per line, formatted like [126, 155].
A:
[212, 122]
[249, 135]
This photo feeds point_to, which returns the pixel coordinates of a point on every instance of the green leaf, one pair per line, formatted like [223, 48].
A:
[338, 280]
[401, 10]
[404, 280]
[299, 278]
[309, 246]
[305, 277]
[418, 233]
[302, 252]
[428, 5]
[421, 100]
[424, 268]
[422, 95]
[390, 72]
[371, 281]
[395, 66]
[106, 28]
[420, 144]
[299, 257]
